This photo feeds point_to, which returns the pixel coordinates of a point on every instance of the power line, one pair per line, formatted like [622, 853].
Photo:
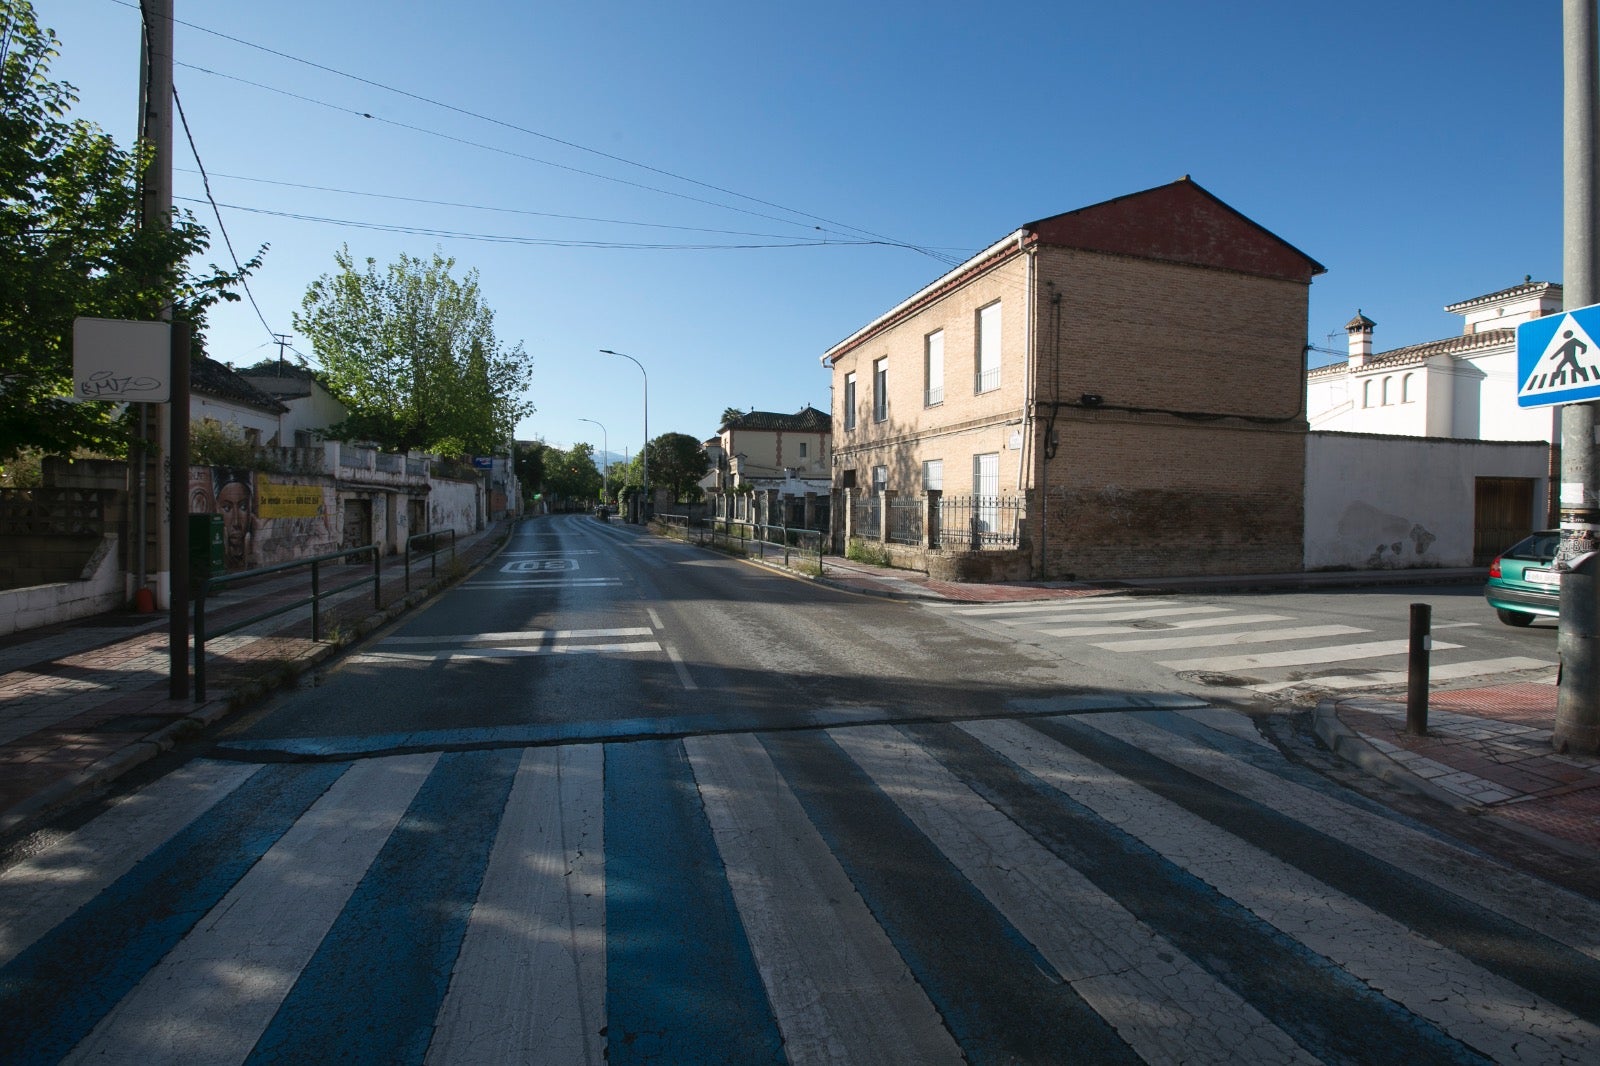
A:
[205, 181]
[553, 242]
[877, 237]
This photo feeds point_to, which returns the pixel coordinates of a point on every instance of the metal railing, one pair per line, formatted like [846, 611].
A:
[207, 586]
[432, 536]
[905, 520]
[977, 522]
[752, 539]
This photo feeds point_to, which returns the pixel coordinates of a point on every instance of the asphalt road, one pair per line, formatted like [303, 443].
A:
[617, 799]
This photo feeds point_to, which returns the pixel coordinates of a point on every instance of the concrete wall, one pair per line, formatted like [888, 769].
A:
[1378, 502]
[98, 588]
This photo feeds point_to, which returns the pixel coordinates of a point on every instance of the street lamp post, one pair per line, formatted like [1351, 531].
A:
[645, 511]
[605, 483]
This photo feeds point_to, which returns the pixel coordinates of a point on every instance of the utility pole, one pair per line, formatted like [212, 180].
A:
[172, 529]
[1577, 727]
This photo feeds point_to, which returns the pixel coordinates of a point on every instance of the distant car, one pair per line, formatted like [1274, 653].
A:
[1522, 584]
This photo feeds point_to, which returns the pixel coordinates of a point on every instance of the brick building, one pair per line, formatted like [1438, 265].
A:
[1130, 376]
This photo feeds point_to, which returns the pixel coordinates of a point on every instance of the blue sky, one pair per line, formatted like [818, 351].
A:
[780, 159]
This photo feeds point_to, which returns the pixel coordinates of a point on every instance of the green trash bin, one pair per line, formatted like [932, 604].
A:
[205, 548]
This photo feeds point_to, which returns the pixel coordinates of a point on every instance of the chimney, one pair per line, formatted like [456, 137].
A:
[1360, 330]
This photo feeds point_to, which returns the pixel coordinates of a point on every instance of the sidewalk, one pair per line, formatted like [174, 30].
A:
[83, 702]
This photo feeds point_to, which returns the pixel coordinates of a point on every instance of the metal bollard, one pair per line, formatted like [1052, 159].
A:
[1417, 671]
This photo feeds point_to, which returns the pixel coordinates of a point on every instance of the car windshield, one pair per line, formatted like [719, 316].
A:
[1541, 546]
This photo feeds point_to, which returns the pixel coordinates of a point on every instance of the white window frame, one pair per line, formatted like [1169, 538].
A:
[880, 480]
[850, 400]
[880, 389]
[932, 475]
[986, 357]
[933, 368]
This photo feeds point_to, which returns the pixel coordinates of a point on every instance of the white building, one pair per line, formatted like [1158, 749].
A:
[1463, 387]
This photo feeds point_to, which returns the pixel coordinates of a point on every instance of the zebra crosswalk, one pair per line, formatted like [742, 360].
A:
[1159, 629]
[1130, 886]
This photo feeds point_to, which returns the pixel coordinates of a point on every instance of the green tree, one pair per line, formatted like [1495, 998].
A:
[413, 354]
[529, 467]
[572, 474]
[70, 245]
[678, 462]
[731, 414]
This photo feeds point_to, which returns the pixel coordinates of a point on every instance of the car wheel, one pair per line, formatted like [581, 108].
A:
[1514, 618]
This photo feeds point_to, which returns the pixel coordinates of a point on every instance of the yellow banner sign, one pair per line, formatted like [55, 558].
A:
[287, 501]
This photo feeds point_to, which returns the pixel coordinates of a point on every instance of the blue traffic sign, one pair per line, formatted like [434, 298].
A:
[1557, 358]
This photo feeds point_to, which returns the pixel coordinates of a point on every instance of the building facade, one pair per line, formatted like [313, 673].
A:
[1130, 374]
[786, 457]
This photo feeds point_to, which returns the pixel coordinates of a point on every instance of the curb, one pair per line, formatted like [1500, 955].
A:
[1349, 745]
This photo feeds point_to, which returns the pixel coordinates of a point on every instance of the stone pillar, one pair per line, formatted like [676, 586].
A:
[884, 499]
[811, 510]
[930, 517]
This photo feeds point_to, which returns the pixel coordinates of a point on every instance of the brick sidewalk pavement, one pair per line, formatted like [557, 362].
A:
[83, 702]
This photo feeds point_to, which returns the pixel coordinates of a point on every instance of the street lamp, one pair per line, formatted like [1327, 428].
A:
[645, 511]
[605, 484]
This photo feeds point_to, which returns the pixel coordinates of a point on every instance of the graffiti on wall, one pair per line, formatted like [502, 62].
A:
[263, 522]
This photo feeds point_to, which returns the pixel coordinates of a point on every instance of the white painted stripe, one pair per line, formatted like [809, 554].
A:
[1219, 640]
[1100, 603]
[1107, 955]
[1492, 1015]
[1527, 900]
[1182, 623]
[683, 671]
[511, 635]
[1131, 615]
[47, 887]
[578, 551]
[1302, 656]
[234, 968]
[839, 990]
[530, 980]
[1436, 672]
[542, 583]
[655, 619]
[381, 657]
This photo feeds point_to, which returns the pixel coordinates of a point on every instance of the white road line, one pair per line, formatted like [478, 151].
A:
[1526, 900]
[530, 980]
[542, 583]
[839, 990]
[1052, 606]
[239, 961]
[450, 655]
[655, 619]
[580, 551]
[1182, 623]
[44, 889]
[1436, 672]
[1364, 942]
[1107, 955]
[1218, 640]
[1302, 656]
[1126, 615]
[683, 671]
[515, 634]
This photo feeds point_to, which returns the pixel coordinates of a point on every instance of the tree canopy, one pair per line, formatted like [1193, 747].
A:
[572, 474]
[412, 353]
[678, 462]
[70, 245]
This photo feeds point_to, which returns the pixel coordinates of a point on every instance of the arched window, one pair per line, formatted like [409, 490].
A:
[1386, 391]
[1405, 389]
[1366, 394]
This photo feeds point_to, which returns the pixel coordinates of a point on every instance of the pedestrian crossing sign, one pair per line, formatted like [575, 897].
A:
[1558, 360]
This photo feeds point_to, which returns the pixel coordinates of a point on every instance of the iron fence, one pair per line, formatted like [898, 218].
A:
[978, 522]
[905, 520]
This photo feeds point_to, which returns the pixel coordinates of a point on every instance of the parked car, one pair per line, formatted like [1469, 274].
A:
[1522, 585]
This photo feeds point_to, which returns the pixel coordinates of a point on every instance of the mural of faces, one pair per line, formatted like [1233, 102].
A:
[234, 493]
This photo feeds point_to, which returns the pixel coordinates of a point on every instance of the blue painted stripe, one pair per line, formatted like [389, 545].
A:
[1001, 999]
[682, 985]
[1331, 1014]
[55, 992]
[1544, 966]
[373, 989]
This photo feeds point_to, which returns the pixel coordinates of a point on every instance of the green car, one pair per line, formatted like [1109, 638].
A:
[1522, 585]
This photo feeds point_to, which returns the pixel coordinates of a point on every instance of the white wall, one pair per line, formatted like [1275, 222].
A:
[1376, 502]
